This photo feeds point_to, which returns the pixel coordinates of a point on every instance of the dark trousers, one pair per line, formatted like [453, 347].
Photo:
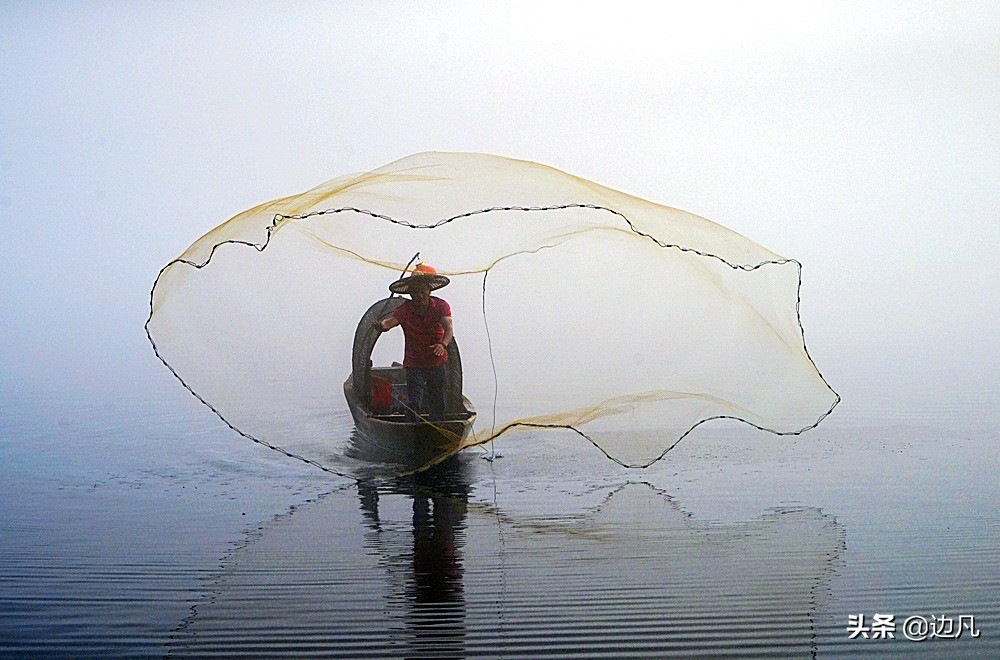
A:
[425, 391]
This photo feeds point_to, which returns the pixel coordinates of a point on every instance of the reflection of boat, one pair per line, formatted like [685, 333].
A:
[376, 397]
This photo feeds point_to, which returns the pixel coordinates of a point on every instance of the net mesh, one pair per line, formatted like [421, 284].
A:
[577, 306]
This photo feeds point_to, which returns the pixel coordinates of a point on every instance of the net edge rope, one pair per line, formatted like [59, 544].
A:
[280, 219]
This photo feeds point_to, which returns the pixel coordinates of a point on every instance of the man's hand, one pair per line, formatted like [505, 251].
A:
[439, 349]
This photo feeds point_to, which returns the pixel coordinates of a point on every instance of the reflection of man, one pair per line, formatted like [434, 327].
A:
[434, 592]
[427, 329]
[437, 562]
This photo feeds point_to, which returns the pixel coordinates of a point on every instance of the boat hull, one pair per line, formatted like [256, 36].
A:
[413, 444]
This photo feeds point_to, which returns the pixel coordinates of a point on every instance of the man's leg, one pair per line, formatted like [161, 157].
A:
[416, 382]
[436, 392]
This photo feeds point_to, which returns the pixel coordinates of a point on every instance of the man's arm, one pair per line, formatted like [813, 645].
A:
[449, 330]
[389, 323]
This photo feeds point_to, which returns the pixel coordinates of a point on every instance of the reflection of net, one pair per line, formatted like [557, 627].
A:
[445, 574]
[578, 307]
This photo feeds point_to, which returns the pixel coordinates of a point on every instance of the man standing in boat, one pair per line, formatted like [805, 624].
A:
[427, 330]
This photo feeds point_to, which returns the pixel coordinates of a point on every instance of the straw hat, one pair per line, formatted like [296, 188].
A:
[421, 273]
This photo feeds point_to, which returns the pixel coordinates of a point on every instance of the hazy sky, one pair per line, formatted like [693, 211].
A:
[860, 139]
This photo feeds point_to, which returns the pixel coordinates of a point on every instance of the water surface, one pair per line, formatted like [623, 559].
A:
[141, 526]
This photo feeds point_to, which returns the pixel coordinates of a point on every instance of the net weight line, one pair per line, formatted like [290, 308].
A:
[280, 219]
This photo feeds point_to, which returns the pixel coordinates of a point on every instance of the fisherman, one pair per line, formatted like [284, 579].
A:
[427, 330]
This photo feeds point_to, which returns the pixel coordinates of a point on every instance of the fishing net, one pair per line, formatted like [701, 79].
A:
[577, 307]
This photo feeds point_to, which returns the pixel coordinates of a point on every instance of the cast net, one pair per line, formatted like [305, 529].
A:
[577, 307]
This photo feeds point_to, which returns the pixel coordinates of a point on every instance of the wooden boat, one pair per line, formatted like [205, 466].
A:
[380, 420]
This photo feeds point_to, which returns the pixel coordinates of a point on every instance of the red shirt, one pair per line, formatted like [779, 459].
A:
[422, 331]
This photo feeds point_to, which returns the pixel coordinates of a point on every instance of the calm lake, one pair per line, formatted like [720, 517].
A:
[142, 526]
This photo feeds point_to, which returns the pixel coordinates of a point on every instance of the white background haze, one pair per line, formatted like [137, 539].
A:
[858, 138]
